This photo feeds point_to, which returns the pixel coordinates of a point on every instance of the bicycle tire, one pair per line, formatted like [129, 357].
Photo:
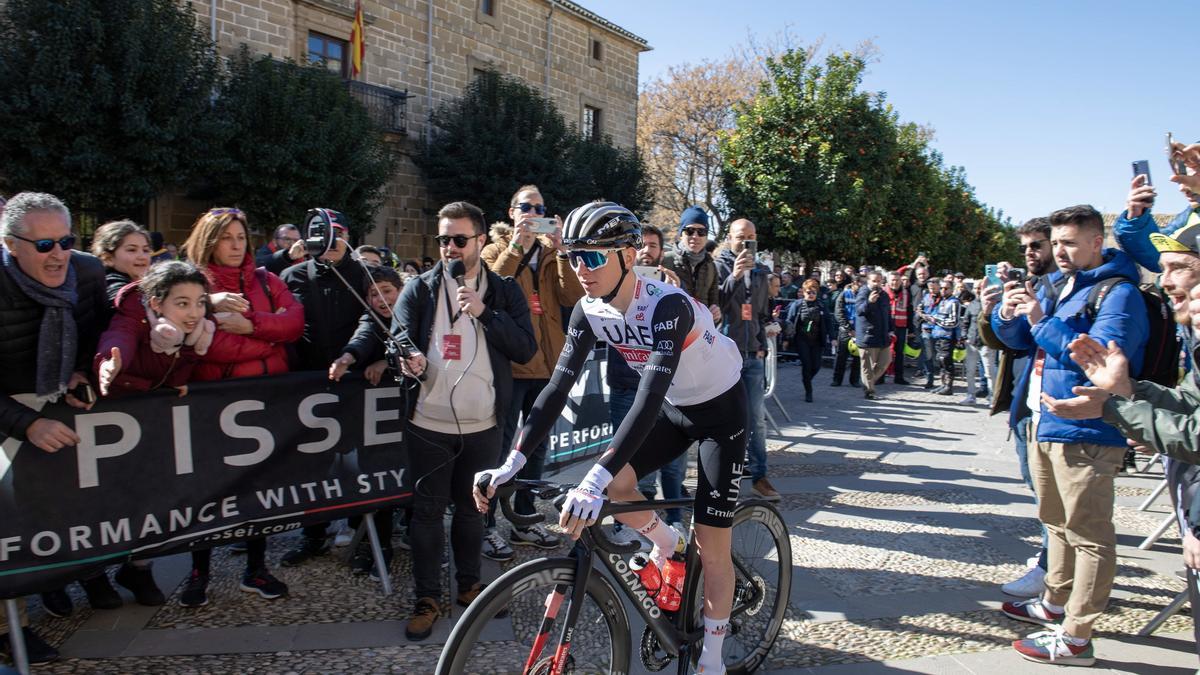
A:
[747, 659]
[532, 578]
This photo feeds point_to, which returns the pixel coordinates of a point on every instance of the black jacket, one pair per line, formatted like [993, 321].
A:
[20, 322]
[367, 343]
[807, 320]
[114, 281]
[275, 261]
[750, 335]
[331, 312]
[506, 326]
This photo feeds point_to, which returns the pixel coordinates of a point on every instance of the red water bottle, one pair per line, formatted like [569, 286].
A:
[648, 573]
[671, 592]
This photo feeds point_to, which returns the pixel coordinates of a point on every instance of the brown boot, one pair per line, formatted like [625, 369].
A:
[465, 598]
[763, 489]
[424, 615]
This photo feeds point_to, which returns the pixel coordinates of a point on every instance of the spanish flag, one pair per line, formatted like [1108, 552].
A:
[358, 45]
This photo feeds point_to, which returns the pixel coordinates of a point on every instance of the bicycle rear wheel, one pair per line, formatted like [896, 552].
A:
[483, 642]
[762, 566]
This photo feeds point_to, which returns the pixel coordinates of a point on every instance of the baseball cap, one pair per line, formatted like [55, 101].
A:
[1184, 240]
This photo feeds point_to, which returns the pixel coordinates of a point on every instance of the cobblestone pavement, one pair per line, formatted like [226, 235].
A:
[905, 514]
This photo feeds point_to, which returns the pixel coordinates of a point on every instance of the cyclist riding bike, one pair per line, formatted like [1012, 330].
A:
[690, 390]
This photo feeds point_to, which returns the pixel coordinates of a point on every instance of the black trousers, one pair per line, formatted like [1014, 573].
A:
[443, 467]
[810, 361]
[839, 362]
[944, 348]
[898, 354]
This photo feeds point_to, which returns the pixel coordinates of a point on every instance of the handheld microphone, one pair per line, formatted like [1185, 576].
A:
[458, 271]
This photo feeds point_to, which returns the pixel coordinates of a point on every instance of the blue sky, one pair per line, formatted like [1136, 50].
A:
[1046, 103]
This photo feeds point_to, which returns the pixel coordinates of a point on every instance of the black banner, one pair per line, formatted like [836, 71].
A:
[158, 473]
[585, 428]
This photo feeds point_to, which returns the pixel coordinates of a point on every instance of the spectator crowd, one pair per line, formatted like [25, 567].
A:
[1089, 363]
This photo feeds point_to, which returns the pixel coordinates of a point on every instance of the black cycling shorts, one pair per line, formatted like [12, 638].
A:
[720, 425]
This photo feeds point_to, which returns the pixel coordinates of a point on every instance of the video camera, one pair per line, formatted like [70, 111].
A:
[318, 230]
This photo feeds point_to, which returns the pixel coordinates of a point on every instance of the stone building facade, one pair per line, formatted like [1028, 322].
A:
[431, 50]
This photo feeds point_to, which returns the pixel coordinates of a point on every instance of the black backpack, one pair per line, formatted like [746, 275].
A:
[1161, 362]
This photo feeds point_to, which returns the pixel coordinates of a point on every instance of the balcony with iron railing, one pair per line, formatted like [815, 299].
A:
[386, 107]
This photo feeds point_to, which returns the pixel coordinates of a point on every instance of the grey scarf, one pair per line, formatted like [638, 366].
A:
[58, 337]
[692, 259]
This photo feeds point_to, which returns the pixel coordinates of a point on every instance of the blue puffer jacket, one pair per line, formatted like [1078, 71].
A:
[1133, 236]
[1122, 318]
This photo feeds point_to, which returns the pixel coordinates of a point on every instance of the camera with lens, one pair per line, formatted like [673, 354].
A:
[319, 236]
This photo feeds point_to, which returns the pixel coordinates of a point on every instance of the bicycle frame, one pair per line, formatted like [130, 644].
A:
[670, 629]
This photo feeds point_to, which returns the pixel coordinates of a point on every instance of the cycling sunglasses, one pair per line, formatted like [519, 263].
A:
[526, 207]
[460, 240]
[47, 245]
[593, 260]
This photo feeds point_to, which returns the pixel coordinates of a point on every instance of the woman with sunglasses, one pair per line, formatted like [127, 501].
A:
[256, 317]
[691, 390]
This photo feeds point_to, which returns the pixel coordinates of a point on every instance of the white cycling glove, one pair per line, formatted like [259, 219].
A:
[586, 500]
[503, 473]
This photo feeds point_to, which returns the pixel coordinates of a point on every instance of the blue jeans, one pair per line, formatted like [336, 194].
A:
[756, 451]
[1021, 441]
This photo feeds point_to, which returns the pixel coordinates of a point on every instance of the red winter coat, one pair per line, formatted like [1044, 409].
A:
[141, 368]
[263, 352]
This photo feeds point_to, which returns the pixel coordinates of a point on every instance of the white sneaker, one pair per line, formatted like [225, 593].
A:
[1031, 585]
[344, 536]
[627, 535]
[970, 400]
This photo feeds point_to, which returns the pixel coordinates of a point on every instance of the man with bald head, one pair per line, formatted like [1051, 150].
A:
[746, 319]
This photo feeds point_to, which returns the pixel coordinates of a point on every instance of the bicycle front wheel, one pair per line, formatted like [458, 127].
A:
[762, 569]
[508, 622]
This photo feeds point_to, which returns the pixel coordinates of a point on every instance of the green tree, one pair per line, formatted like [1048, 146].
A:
[502, 134]
[297, 139]
[810, 160]
[106, 103]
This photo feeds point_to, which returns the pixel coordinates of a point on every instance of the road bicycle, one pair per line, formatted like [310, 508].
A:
[508, 628]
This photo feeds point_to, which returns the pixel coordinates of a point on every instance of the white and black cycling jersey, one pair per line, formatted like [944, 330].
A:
[665, 319]
[668, 338]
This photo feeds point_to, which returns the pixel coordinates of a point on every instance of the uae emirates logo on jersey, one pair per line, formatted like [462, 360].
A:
[634, 355]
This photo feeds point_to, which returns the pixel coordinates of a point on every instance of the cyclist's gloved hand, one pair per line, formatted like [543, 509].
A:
[486, 481]
[582, 506]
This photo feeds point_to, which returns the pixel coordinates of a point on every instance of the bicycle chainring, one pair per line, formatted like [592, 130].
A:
[653, 657]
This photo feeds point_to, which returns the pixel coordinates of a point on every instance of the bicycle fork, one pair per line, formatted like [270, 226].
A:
[583, 568]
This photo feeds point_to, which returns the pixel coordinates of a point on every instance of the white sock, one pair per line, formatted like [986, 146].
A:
[664, 537]
[1057, 609]
[710, 656]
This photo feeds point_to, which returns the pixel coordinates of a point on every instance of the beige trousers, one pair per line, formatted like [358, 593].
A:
[873, 363]
[1074, 484]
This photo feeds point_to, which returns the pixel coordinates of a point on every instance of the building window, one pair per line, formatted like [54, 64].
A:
[597, 50]
[591, 123]
[487, 7]
[329, 51]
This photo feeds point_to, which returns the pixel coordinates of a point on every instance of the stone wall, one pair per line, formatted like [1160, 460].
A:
[514, 41]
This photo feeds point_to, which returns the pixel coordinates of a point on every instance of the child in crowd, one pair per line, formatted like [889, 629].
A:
[159, 331]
